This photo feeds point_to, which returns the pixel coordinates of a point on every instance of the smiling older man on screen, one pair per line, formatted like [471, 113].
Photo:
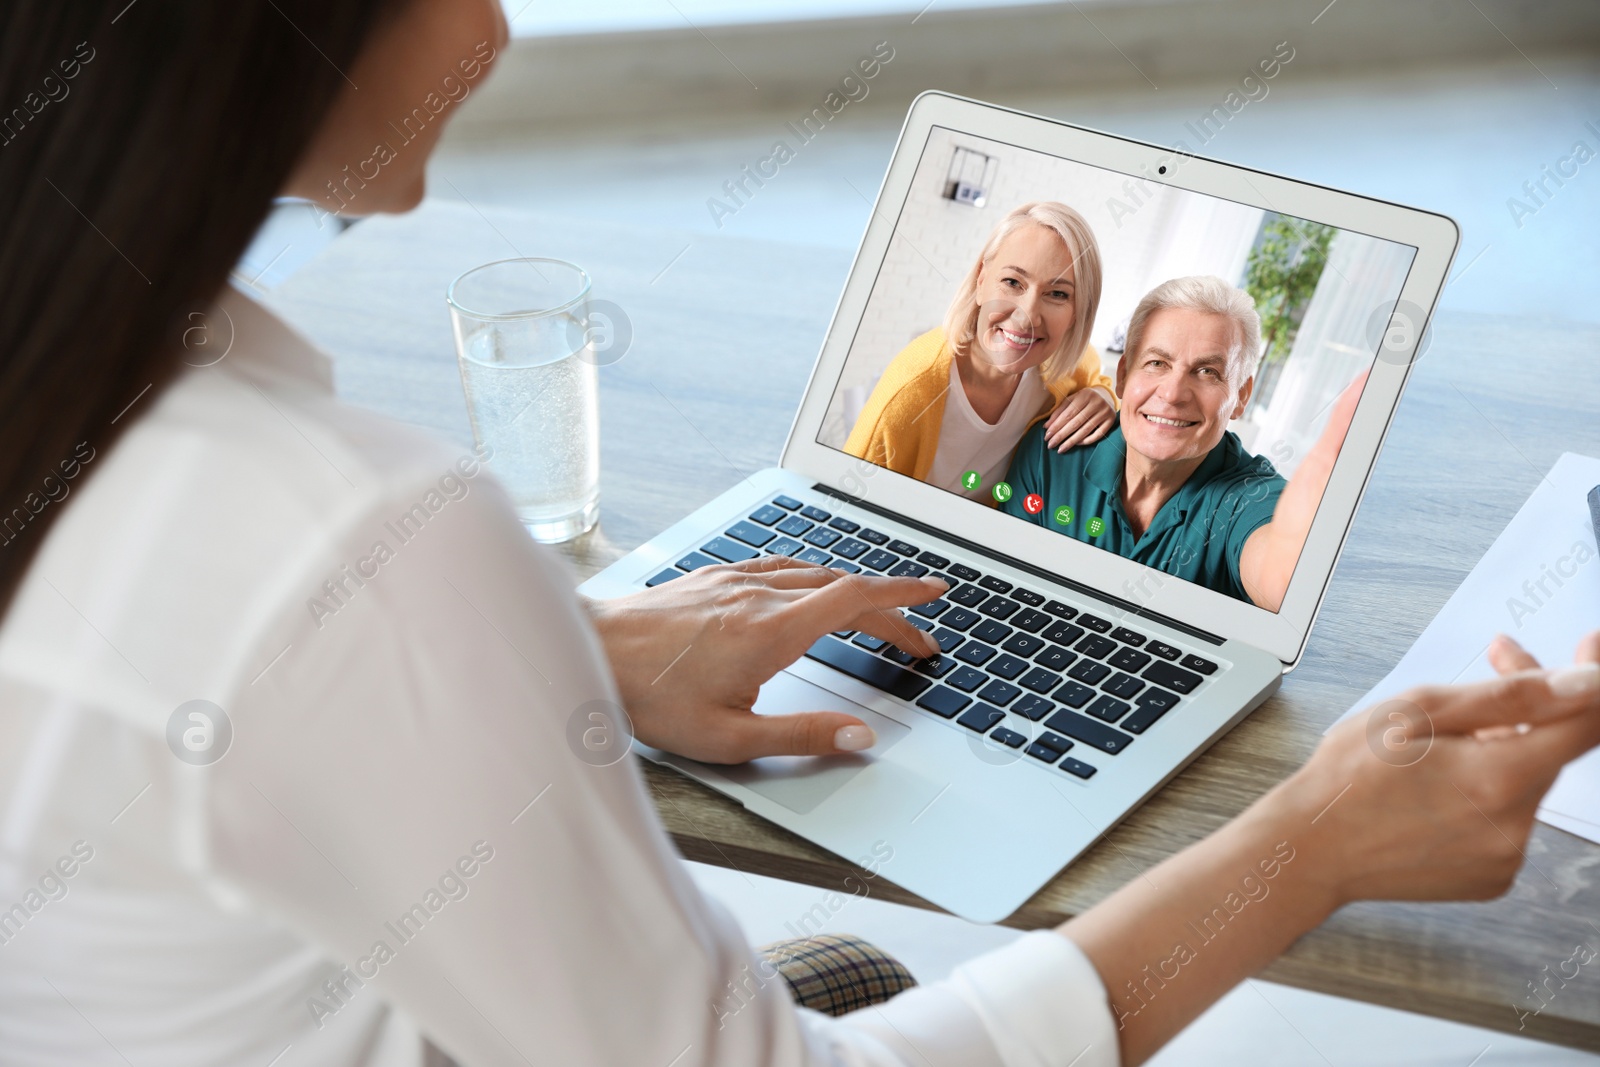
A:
[1172, 487]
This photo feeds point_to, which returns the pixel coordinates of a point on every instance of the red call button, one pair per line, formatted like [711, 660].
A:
[1033, 503]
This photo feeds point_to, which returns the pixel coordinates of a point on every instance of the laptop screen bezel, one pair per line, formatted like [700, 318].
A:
[1283, 633]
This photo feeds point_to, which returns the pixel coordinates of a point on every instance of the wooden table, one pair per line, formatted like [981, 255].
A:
[725, 332]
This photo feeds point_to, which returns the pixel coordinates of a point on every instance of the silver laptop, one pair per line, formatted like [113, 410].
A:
[1088, 655]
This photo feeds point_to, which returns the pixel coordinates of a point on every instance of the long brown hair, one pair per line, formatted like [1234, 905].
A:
[141, 145]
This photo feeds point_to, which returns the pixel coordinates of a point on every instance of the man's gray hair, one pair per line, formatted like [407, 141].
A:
[1204, 292]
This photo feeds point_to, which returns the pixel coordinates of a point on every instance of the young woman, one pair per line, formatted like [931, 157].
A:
[400, 839]
[1014, 349]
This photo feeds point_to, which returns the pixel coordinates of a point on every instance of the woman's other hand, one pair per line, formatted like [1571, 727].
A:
[690, 656]
[1444, 781]
[1429, 796]
[1081, 419]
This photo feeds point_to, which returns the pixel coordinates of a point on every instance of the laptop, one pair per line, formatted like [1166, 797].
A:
[1081, 669]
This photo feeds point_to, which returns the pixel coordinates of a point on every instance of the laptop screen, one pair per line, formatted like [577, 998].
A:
[1155, 372]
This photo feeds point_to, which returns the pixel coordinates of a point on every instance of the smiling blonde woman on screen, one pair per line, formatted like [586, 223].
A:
[1013, 349]
[403, 837]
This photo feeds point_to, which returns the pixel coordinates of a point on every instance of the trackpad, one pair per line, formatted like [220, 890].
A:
[800, 783]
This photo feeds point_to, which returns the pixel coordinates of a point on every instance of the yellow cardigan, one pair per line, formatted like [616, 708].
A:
[899, 427]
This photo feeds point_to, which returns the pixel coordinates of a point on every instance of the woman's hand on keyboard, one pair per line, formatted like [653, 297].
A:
[690, 656]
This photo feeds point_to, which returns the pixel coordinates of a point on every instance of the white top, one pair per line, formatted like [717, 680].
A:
[967, 443]
[398, 840]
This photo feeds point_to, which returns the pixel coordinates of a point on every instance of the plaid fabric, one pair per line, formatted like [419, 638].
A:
[836, 974]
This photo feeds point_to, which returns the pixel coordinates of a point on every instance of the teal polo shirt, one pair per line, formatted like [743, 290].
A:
[1198, 535]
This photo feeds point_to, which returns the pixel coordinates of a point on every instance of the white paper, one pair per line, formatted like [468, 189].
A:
[1540, 583]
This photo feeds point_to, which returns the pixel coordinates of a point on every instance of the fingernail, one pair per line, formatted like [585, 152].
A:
[933, 582]
[1578, 681]
[854, 738]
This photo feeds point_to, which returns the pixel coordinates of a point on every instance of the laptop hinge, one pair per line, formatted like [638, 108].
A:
[1021, 565]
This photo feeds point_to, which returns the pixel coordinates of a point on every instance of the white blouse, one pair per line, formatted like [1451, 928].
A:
[397, 840]
[968, 443]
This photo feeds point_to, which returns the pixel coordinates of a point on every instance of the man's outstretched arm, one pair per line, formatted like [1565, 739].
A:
[1270, 554]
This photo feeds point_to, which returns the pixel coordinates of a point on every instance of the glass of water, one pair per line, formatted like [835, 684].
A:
[532, 389]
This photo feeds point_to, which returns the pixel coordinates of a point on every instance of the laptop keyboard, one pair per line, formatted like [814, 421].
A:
[1016, 667]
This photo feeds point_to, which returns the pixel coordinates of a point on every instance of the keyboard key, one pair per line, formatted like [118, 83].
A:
[1157, 698]
[936, 666]
[1077, 767]
[1055, 741]
[870, 643]
[1162, 649]
[822, 537]
[975, 653]
[1093, 622]
[787, 502]
[1127, 636]
[1129, 659]
[948, 639]
[848, 568]
[1008, 667]
[905, 548]
[968, 596]
[1109, 709]
[1074, 694]
[878, 559]
[997, 585]
[785, 546]
[1043, 752]
[1060, 610]
[662, 578]
[999, 607]
[933, 559]
[794, 526]
[1040, 680]
[1063, 633]
[966, 679]
[728, 551]
[1144, 716]
[964, 572]
[944, 701]
[1195, 663]
[991, 631]
[850, 548]
[900, 656]
[844, 525]
[1030, 620]
[873, 537]
[998, 692]
[1028, 597]
[1007, 737]
[1096, 646]
[981, 718]
[960, 618]
[908, 569]
[694, 561]
[1089, 671]
[1123, 685]
[1175, 678]
[814, 555]
[932, 609]
[922, 624]
[1032, 707]
[766, 514]
[1091, 732]
[816, 514]
[868, 668]
[1055, 658]
[1024, 645]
